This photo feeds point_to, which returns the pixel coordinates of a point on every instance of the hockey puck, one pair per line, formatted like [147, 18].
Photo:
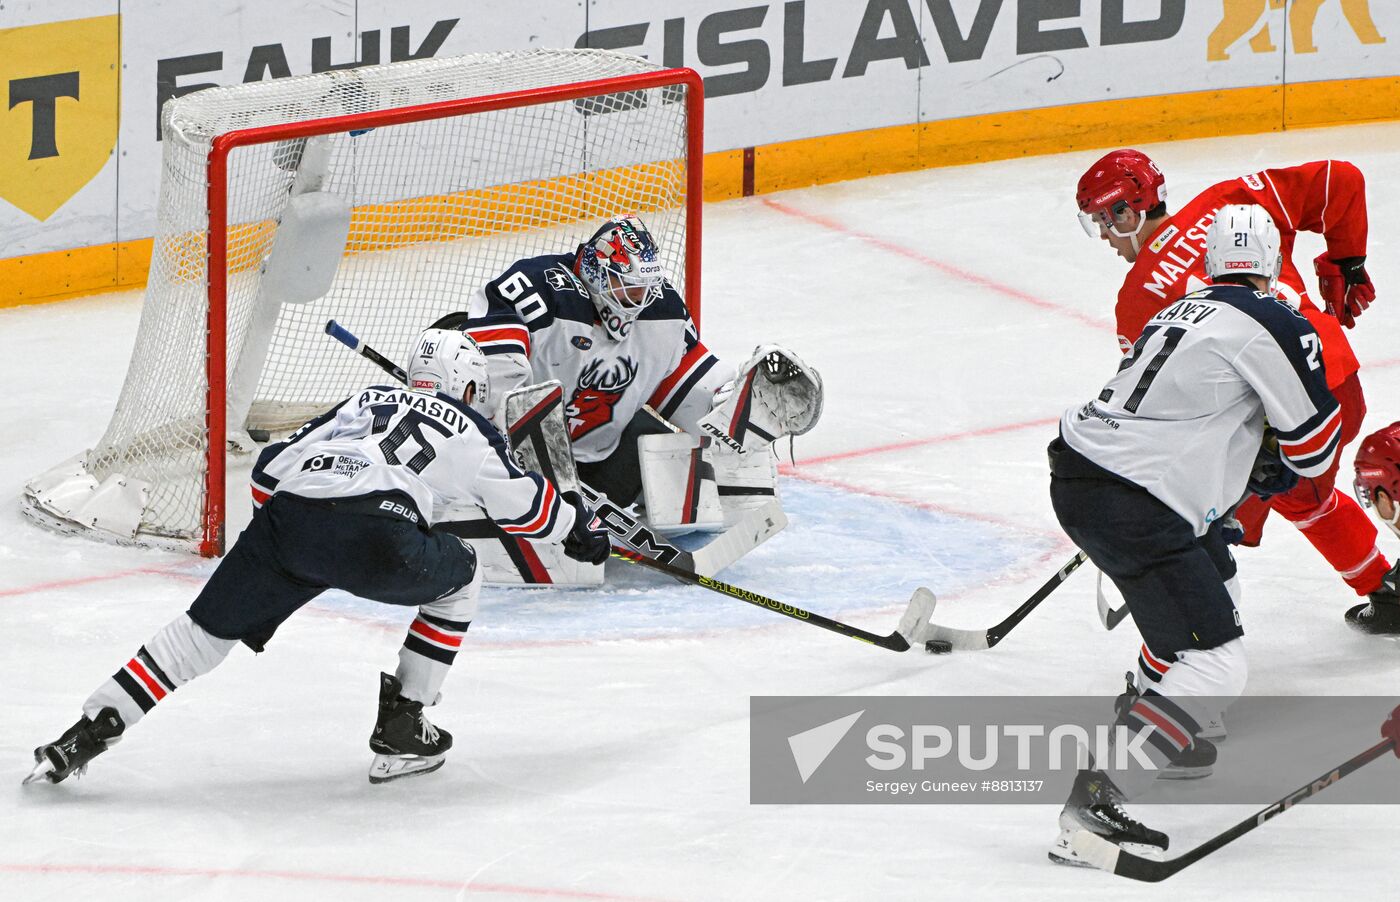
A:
[259, 435]
[938, 646]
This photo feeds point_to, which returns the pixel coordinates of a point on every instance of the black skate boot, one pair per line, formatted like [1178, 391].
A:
[404, 742]
[1381, 615]
[69, 754]
[1096, 805]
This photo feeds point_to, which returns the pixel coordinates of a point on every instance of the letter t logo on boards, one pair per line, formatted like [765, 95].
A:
[59, 109]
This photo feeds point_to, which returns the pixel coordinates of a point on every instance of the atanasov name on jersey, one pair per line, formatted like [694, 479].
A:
[449, 415]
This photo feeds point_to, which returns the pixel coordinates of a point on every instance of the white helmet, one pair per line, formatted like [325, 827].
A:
[447, 361]
[1243, 240]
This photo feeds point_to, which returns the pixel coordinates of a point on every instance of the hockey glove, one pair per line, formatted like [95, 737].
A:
[1391, 730]
[1232, 531]
[1270, 476]
[1345, 287]
[584, 543]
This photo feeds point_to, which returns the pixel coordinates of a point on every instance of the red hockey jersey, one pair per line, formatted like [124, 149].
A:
[1328, 196]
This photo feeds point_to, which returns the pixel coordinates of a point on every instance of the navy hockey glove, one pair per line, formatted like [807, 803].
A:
[1232, 531]
[1345, 287]
[584, 543]
[1270, 476]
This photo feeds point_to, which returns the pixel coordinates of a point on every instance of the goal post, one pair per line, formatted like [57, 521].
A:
[382, 197]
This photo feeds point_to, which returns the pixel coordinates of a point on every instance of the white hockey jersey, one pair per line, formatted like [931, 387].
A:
[1185, 414]
[437, 451]
[536, 322]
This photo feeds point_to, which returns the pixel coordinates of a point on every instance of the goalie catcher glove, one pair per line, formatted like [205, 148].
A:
[1345, 287]
[584, 543]
[1270, 476]
[774, 394]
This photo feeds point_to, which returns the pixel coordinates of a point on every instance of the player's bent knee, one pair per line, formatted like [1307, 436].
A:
[459, 606]
[1218, 673]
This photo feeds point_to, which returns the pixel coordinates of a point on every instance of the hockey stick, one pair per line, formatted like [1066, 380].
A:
[619, 524]
[346, 337]
[1109, 616]
[919, 610]
[1103, 854]
[946, 638]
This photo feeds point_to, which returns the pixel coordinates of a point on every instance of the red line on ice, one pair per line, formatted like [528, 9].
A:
[791, 470]
[958, 272]
[101, 577]
[508, 889]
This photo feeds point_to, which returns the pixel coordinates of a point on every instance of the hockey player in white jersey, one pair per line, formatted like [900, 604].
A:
[346, 502]
[606, 322]
[1144, 475]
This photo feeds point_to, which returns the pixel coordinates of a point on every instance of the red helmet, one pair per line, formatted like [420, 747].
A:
[1120, 181]
[1378, 469]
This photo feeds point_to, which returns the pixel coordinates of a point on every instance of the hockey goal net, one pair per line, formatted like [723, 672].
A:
[380, 197]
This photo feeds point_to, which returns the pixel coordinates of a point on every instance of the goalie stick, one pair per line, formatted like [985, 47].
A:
[1103, 854]
[915, 615]
[977, 640]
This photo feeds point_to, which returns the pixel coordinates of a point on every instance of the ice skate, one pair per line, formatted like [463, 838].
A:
[1096, 805]
[1381, 615]
[69, 755]
[405, 743]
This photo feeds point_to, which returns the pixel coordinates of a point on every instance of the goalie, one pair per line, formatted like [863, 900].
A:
[652, 417]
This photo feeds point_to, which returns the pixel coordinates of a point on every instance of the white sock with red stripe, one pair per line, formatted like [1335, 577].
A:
[1191, 691]
[181, 651]
[433, 640]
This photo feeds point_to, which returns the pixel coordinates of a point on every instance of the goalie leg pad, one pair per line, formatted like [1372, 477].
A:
[678, 484]
[745, 482]
[775, 394]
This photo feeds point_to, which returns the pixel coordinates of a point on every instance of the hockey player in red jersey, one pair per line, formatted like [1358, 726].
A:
[1122, 199]
[1377, 484]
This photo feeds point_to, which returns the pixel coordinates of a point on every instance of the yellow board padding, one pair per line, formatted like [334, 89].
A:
[59, 275]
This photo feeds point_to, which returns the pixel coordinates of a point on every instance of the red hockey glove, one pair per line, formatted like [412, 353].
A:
[1391, 729]
[1345, 288]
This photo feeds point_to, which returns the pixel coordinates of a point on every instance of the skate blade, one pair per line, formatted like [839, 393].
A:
[41, 771]
[1186, 773]
[44, 770]
[395, 767]
[1062, 851]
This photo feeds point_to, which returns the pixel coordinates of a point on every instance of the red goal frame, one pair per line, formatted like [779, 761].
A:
[212, 538]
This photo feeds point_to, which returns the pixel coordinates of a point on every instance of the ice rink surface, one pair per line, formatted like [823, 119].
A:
[602, 737]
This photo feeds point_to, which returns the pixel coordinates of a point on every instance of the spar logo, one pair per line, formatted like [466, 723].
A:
[58, 121]
[1241, 17]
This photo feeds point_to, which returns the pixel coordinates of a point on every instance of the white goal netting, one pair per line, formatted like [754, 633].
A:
[383, 229]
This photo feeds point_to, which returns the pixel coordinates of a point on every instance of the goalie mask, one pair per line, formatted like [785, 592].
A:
[1117, 193]
[448, 361]
[1378, 475]
[621, 266]
[1243, 240]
